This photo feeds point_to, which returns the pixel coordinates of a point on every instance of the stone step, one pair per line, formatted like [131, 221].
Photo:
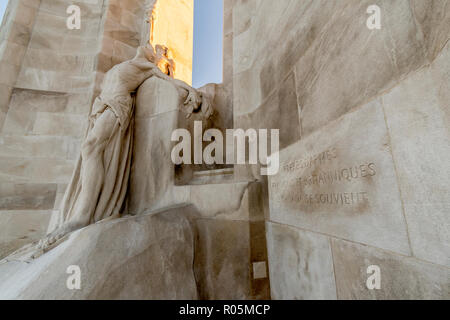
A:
[218, 176]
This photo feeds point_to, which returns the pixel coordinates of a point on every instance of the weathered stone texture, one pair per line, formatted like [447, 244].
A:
[364, 178]
[27, 196]
[152, 173]
[14, 39]
[221, 254]
[227, 215]
[418, 117]
[341, 181]
[401, 277]
[337, 60]
[145, 257]
[20, 227]
[301, 264]
[356, 99]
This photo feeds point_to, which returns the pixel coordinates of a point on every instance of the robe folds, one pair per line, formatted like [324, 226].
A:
[116, 163]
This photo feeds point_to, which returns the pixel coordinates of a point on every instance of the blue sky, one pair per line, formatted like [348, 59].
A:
[208, 35]
[3, 4]
[208, 44]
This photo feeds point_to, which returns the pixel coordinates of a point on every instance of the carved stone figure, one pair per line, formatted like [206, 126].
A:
[99, 183]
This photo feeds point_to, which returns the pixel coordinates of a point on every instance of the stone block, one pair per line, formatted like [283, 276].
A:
[20, 228]
[24, 105]
[48, 39]
[16, 170]
[300, 264]
[60, 124]
[74, 64]
[34, 146]
[123, 50]
[38, 170]
[433, 19]
[301, 35]
[222, 259]
[341, 181]
[230, 201]
[12, 53]
[152, 173]
[18, 122]
[402, 278]
[18, 33]
[418, 117]
[2, 119]
[25, 15]
[5, 96]
[279, 111]
[156, 97]
[9, 73]
[259, 270]
[131, 21]
[27, 196]
[370, 61]
[52, 170]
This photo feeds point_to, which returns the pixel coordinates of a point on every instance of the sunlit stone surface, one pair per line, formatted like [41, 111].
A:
[364, 176]
[173, 27]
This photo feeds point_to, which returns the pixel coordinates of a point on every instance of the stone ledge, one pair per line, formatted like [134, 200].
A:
[142, 257]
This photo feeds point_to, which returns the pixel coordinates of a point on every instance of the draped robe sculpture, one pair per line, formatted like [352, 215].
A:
[99, 183]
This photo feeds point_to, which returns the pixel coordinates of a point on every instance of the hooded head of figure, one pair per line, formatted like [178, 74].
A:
[147, 53]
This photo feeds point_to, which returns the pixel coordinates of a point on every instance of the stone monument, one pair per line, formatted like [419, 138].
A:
[100, 181]
[363, 187]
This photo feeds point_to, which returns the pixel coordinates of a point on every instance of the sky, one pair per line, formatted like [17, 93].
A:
[208, 45]
[3, 4]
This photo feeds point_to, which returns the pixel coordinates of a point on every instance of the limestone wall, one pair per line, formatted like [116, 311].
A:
[372, 104]
[228, 33]
[173, 27]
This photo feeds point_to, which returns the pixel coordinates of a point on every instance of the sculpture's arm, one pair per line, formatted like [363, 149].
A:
[149, 69]
[193, 100]
[177, 83]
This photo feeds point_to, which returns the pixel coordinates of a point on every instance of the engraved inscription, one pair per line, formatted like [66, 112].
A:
[321, 180]
[332, 176]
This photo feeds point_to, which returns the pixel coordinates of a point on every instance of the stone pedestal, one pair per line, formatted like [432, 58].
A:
[228, 217]
[144, 257]
[152, 183]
